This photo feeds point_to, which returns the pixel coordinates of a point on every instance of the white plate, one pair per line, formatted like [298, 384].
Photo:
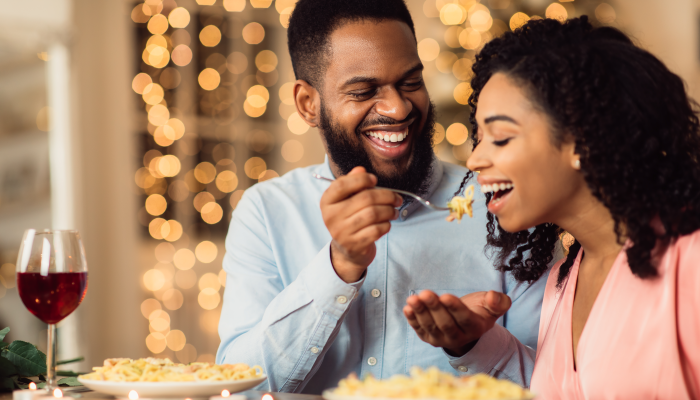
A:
[172, 389]
[329, 395]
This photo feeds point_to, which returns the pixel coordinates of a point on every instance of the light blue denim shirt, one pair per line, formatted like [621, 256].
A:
[286, 310]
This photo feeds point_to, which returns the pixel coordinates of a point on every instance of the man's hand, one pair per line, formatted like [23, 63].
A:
[453, 323]
[356, 215]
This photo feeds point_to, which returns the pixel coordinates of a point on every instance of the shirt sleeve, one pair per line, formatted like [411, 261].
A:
[285, 328]
[500, 354]
[688, 317]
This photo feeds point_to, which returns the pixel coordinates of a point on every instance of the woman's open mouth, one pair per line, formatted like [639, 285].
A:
[500, 191]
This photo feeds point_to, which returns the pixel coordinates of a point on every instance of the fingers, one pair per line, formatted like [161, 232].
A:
[460, 312]
[347, 185]
[496, 303]
[444, 322]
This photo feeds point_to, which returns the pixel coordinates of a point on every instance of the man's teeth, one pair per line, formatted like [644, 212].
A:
[392, 138]
[496, 187]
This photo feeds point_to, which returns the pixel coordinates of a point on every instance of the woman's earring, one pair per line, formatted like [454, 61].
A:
[577, 164]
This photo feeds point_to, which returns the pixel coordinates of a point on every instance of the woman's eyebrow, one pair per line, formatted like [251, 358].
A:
[500, 118]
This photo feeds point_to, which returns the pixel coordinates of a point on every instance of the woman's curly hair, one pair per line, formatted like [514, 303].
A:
[635, 130]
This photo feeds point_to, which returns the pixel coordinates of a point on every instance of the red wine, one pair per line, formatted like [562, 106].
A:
[54, 296]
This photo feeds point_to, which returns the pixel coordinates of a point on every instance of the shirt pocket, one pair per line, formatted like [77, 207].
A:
[422, 354]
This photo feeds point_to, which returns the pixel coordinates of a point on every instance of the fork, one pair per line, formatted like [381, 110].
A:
[421, 200]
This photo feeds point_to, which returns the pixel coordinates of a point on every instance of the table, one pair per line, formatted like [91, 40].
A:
[250, 394]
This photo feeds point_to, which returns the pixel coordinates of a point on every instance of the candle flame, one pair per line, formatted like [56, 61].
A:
[32, 386]
[225, 393]
[133, 395]
[57, 393]
[267, 396]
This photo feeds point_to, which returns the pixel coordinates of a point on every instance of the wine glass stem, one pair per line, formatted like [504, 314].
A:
[51, 360]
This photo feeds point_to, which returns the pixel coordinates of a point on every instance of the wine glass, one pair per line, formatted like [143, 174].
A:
[52, 281]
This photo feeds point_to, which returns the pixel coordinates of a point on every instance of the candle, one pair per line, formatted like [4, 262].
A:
[28, 394]
[226, 395]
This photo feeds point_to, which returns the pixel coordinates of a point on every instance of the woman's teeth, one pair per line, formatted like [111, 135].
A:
[388, 137]
[496, 187]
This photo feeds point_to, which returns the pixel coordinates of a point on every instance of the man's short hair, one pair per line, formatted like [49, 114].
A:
[313, 21]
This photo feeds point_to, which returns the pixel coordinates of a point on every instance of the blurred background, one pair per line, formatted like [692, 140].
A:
[141, 124]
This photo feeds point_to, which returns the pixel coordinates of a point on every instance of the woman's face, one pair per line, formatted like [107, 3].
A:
[516, 151]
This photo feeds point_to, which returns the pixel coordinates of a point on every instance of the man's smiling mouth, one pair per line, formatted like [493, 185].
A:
[387, 138]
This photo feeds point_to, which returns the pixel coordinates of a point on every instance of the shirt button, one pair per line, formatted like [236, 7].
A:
[404, 213]
[376, 293]
[314, 349]
[462, 368]
[342, 299]
[372, 361]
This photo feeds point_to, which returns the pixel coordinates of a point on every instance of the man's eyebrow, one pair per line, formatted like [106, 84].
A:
[500, 118]
[368, 79]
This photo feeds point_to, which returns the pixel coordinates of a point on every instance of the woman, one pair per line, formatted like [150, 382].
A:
[597, 138]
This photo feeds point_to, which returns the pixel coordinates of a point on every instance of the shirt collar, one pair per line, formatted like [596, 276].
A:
[407, 208]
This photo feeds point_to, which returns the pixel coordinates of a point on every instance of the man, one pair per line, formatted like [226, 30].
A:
[315, 294]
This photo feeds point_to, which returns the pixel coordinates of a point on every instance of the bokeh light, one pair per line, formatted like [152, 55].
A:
[158, 24]
[209, 79]
[253, 33]
[206, 251]
[173, 299]
[164, 252]
[254, 166]
[227, 181]
[210, 36]
[209, 280]
[184, 259]
[182, 55]
[209, 299]
[605, 13]
[234, 5]
[556, 11]
[517, 20]
[212, 213]
[179, 17]
[428, 49]
[292, 151]
[148, 306]
[457, 134]
[175, 340]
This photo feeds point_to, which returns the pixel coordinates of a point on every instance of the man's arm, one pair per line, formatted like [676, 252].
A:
[288, 329]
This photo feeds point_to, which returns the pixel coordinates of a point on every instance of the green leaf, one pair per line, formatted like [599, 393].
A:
[3, 345]
[41, 385]
[4, 332]
[72, 381]
[7, 368]
[26, 357]
[72, 360]
[7, 385]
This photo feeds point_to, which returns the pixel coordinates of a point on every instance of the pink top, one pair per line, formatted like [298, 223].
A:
[641, 339]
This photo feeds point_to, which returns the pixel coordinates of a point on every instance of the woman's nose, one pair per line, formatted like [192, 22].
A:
[478, 160]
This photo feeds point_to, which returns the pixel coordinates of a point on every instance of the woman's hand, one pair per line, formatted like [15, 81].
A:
[452, 323]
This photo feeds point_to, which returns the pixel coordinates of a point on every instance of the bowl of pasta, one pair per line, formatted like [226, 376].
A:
[430, 384]
[161, 378]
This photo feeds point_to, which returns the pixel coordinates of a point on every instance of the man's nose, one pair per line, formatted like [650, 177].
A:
[393, 105]
[478, 160]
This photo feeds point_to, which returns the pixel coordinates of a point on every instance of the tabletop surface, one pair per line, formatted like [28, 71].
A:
[250, 394]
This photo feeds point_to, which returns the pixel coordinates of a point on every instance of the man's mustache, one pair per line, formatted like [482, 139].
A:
[383, 120]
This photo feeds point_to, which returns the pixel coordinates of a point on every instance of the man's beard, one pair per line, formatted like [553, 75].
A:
[347, 155]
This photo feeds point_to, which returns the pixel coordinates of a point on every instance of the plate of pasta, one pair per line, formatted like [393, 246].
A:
[161, 378]
[430, 384]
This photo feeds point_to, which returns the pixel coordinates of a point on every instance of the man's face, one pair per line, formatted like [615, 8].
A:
[375, 109]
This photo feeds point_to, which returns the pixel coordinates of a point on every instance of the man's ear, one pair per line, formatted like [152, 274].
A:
[308, 102]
